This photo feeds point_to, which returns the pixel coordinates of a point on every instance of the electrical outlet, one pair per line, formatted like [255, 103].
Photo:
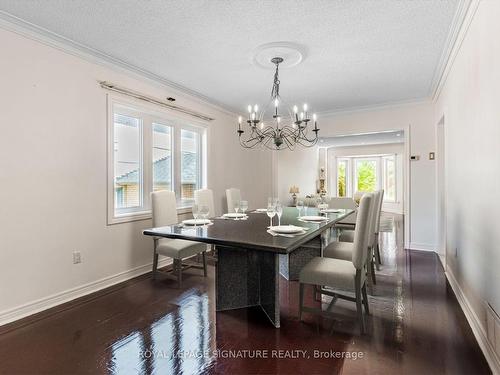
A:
[77, 257]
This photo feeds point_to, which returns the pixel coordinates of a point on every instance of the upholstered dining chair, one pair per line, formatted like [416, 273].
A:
[165, 213]
[348, 235]
[205, 197]
[347, 275]
[345, 203]
[344, 247]
[233, 195]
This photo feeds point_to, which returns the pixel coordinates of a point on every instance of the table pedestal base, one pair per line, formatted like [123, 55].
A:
[247, 278]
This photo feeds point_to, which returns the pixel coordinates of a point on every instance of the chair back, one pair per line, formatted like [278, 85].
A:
[164, 208]
[205, 197]
[232, 195]
[379, 210]
[373, 218]
[361, 233]
[342, 202]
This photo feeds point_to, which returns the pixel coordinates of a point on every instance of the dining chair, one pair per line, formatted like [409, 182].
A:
[233, 195]
[344, 275]
[377, 231]
[348, 235]
[165, 213]
[205, 197]
[343, 248]
[345, 203]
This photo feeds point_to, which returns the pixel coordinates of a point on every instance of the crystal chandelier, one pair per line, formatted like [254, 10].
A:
[285, 128]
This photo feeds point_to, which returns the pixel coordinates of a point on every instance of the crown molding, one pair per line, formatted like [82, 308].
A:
[461, 21]
[374, 108]
[29, 30]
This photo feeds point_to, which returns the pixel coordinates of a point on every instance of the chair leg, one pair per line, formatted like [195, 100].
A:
[155, 264]
[365, 299]
[178, 271]
[204, 264]
[359, 307]
[377, 255]
[301, 299]
[372, 272]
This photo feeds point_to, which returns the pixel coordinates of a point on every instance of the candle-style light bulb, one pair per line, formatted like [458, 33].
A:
[295, 109]
[278, 119]
[249, 109]
[315, 117]
[305, 107]
[239, 120]
[253, 115]
[301, 115]
[276, 102]
[255, 108]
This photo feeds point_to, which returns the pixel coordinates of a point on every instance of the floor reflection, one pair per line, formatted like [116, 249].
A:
[177, 343]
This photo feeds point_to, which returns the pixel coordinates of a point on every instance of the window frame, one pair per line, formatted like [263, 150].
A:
[384, 160]
[352, 177]
[150, 115]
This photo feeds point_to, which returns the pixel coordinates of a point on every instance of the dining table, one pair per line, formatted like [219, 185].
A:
[251, 258]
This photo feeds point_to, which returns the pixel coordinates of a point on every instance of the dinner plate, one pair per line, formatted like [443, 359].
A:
[332, 210]
[287, 229]
[196, 222]
[234, 215]
[261, 210]
[313, 218]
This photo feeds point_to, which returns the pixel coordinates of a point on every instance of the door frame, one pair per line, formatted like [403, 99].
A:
[441, 201]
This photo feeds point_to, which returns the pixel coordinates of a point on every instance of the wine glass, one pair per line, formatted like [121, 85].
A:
[236, 206]
[279, 212]
[243, 206]
[271, 211]
[196, 212]
[300, 204]
[204, 211]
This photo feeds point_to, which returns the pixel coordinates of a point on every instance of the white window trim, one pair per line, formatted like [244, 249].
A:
[177, 122]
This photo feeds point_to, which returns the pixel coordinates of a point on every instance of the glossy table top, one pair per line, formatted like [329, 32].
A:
[252, 232]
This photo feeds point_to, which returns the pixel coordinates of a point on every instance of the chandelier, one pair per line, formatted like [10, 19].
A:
[284, 128]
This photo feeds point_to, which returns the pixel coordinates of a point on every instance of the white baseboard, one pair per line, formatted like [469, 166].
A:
[10, 315]
[475, 324]
[422, 246]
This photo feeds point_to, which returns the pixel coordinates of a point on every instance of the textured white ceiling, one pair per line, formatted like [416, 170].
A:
[358, 53]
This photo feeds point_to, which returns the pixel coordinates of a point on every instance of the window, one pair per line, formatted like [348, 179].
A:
[389, 164]
[343, 178]
[367, 173]
[150, 152]
[190, 164]
[127, 163]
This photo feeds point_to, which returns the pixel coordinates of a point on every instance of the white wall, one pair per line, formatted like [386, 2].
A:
[419, 119]
[53, 175]
[470, 103]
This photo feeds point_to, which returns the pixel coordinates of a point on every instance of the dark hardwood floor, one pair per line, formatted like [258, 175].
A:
[139, 327]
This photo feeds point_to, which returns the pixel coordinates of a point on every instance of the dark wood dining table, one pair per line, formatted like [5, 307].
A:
[249, 260]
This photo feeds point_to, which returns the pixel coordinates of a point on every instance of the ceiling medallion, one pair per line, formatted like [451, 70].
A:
[278, 127]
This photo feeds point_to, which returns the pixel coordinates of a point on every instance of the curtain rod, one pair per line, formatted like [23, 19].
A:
[134, 94]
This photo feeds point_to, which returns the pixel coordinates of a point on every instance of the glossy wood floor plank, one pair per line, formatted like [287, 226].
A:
[142, 327]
